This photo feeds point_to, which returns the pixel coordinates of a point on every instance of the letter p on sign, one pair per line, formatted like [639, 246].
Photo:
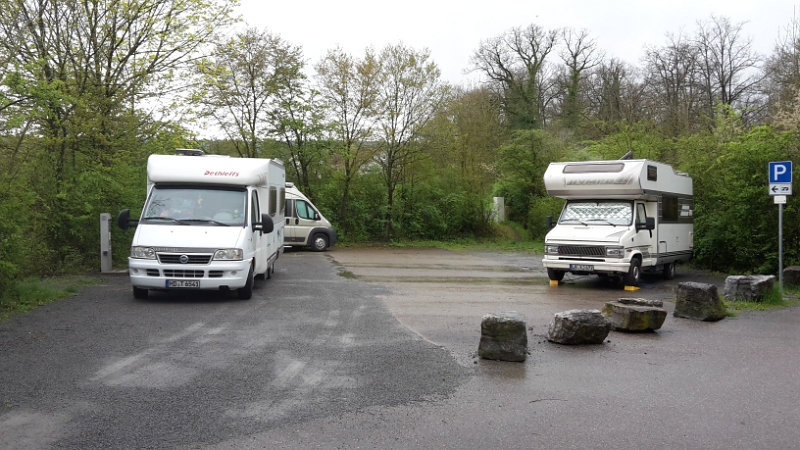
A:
[780, 172]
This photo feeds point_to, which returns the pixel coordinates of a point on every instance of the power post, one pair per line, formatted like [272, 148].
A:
[105, 243]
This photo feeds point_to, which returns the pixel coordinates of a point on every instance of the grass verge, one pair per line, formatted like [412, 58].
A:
[30, 293]
[772, 299]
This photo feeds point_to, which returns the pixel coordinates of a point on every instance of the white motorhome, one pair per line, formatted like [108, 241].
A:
[209, 222]
[621, 217]
[305, 225]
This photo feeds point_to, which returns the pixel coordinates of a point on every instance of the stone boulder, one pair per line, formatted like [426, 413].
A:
[791, 276]
[699, 301]
[503, 337]
[635, 314]
[748, 288]
[578, 326]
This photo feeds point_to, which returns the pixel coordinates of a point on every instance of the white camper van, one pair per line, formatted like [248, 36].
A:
[209, 222]
[305, 225]
[621, 217]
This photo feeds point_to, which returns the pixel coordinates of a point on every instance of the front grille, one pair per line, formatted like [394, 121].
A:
[152, 272]
[174, 258]
[581, 250]
[214, 274]
[183, 273]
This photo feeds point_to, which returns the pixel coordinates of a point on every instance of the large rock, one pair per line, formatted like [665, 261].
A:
[503, 337]
[578, 326]
[748, 287]
[635, 314]
[791, 276]
[699, 301]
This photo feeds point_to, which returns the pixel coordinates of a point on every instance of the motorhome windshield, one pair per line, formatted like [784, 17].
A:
[186, 205]
[611, 213]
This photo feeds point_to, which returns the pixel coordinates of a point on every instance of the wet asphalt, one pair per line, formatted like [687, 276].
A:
[376, 348]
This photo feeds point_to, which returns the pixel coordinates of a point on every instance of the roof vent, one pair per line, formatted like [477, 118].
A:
[188, 152]
[289, 184]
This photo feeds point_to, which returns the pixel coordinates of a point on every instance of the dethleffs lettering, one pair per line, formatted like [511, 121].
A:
[219, 173]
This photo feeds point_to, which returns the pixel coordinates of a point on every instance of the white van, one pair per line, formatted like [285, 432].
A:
[621, 217]
[305, 225]
[209, 222]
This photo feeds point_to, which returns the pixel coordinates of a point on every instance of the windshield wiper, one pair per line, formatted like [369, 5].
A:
[602, 220]
[208, 221]
[575, 220]
[181, 222]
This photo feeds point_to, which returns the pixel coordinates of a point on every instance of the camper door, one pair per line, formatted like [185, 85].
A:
[644, 239]
[301, 217]
[257, 238]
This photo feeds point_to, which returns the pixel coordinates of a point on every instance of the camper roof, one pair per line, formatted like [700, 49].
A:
[632, 178]
[208, 169]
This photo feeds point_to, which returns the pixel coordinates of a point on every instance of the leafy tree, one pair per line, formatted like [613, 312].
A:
[349, 89]
[523, 161]
[409, 95]
[516, 65]
[579, 54]
[727, 66]
[240, 86]
[299, 120]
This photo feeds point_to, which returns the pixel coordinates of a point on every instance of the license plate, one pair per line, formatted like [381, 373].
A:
[183, 283]
[581, 267]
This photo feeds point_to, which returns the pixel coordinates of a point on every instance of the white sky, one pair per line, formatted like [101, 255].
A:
[452, 30]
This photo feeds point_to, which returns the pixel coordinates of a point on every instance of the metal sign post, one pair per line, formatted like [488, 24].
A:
[780, 185]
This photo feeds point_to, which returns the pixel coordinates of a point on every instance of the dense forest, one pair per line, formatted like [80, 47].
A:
[385, 147]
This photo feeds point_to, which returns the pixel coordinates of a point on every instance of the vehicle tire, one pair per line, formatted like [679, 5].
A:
[669, 271]
[319, 242]
[555, 275]
[140, 293]
[246, 292]
[270, 271]
[634, 273]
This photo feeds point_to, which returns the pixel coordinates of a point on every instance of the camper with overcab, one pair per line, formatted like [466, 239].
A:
[621, 218]
[209, 222]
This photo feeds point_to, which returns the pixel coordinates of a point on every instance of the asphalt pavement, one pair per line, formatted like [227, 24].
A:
[376, 348]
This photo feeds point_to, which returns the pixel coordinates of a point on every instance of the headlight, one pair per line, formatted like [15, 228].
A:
[143, 252]
[615, 252]
[228, 254]
[551, 249]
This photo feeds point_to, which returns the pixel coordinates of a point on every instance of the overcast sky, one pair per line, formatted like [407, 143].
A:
[452, 30]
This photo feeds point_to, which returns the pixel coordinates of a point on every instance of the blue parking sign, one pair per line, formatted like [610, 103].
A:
[780, 172]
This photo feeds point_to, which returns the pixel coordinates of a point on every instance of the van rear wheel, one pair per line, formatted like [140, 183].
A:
[319, 242]
[669, 271]
[140, 293]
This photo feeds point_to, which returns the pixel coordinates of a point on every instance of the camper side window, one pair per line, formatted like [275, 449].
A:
[254, 212]
[273, 201]
[641, 214]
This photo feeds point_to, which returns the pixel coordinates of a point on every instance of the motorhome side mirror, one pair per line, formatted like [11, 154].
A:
[266, 225]
[124, 219]
[549, 221]
[316, 215]
[649, 224]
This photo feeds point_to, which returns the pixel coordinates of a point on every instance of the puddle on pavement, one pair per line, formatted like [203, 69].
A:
[510, 281]
[440, 267]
